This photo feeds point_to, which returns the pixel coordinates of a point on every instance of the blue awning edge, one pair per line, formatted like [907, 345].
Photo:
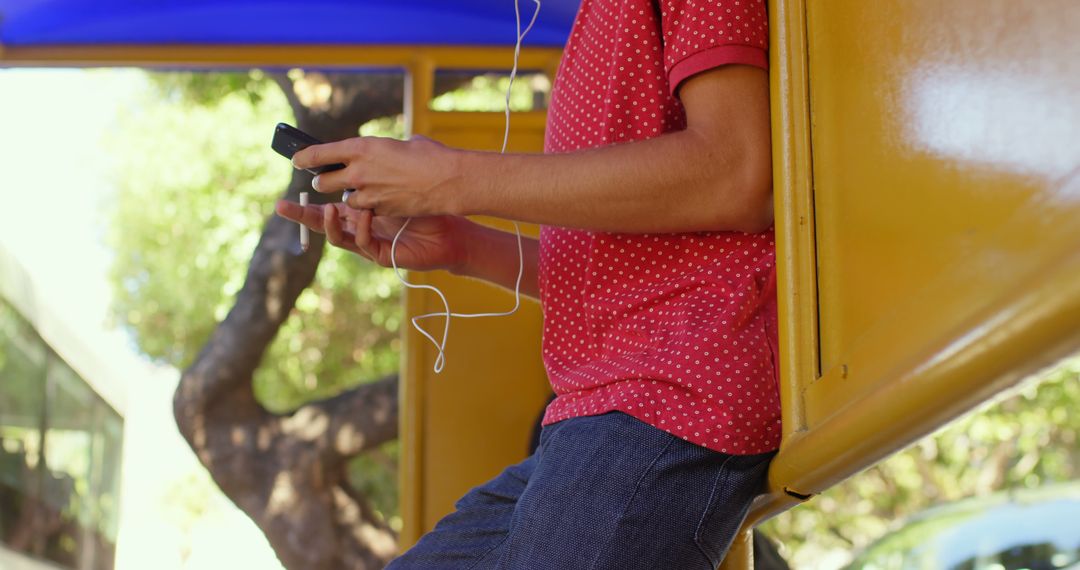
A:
[269, 22]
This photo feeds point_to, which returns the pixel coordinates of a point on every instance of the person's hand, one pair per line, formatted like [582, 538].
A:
[419, 177]
[430, 242]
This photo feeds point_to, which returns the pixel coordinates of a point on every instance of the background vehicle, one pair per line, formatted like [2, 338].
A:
[1036, 529]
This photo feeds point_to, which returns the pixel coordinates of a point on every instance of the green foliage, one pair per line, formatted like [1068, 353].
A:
[393, 127]
[195, 185]
[375, 475]
[488, 93]
[201, 88]
[187, 499]
[1024, 440]
[197, 181]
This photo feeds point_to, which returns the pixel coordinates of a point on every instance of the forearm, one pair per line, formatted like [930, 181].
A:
[492, 255]
[680, 182]
[714, 175]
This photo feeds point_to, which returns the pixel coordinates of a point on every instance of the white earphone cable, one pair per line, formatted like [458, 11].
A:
[440, 360]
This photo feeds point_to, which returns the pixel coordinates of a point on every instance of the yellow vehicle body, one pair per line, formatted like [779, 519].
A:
[927, 178]
[464, 425]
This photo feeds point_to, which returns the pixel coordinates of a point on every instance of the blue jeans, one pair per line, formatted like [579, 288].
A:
[601, 492]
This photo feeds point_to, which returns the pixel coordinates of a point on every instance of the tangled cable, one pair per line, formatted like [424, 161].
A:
[440, 360]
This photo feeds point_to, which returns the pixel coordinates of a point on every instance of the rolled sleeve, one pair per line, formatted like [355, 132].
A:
[703, 34]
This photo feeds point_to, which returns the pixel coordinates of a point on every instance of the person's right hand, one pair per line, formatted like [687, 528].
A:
[433, 242]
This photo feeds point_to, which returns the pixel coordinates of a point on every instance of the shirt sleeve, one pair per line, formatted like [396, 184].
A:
[702, 34]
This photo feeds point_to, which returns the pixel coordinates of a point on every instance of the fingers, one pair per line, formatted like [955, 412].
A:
[310, 216]
[334, 233]
[384, 228]
[346, 152]
[334, 181]
[365, 240]
[329, 153]
[335, 217]
[361, 200]
[344, 227]
[343, 152]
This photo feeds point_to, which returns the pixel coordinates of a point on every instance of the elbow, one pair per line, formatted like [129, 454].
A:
[758, 213]
[758, 219]
[737, 186]
[748, 206]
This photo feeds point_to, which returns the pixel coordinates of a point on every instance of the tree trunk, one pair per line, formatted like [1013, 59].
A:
[288, 471]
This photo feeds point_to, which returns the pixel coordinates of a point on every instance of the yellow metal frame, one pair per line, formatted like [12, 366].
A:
[795, 255]
[900, 381]
[795, 248]
[793, 190]
[425, 496]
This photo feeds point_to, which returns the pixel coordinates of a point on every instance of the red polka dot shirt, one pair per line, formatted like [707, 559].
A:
[678, 330]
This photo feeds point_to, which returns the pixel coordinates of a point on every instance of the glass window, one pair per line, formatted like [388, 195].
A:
[60, 447]
[22, 409]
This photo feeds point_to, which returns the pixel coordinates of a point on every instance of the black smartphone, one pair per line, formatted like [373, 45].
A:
[288, 140]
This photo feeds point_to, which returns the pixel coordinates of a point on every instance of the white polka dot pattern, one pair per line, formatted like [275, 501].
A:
[678, 330]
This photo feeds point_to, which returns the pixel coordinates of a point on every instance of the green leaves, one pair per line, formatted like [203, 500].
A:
[196, 184]
[207, 89]
[198, 180]
[1024, 440]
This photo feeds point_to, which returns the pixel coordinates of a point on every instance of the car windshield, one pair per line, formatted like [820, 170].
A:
[1035, 532]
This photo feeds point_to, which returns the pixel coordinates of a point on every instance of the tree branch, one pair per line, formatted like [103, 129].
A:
[287, 471]
[350, 423]
[276, 277]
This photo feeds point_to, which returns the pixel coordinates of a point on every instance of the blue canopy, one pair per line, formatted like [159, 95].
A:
[246, 22]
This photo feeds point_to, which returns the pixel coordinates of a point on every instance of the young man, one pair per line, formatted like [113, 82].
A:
[655, 268]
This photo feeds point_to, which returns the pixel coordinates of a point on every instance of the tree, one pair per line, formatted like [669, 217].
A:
[277, 439]
[1026, 439]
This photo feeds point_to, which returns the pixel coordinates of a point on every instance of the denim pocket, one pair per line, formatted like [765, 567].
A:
[738, 480]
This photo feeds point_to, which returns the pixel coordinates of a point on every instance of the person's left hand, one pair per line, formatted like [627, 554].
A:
[419, 177]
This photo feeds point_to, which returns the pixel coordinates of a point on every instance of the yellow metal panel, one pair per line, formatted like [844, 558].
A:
[465, 425]
[484, 131]
[419, 89]
[1015, 335]
[795, 245]
[793, 195]
[946, 175]
[740, 555]
[936, 123]
[946, 194]
[478, 412]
